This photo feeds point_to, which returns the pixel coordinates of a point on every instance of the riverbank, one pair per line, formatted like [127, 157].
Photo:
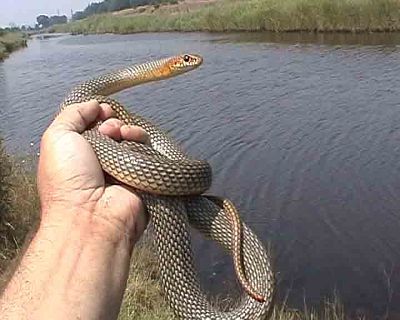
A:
[248, 15]
[19, 205]
[11, 41]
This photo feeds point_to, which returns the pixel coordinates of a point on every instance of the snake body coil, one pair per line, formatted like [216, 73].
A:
[170, 185]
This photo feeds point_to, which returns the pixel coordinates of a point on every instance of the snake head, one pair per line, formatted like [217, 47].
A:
[185, 62]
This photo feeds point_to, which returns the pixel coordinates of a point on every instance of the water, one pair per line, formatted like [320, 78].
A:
[302, 131]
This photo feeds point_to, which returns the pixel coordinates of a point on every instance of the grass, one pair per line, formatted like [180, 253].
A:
[19, 207]
[251, 15]
[19, 217]
[143, 299]
[11, 41]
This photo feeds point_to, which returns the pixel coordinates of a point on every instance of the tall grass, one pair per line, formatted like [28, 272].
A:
[143, 299]
[19, 208]
[254, 15]
[11, 41]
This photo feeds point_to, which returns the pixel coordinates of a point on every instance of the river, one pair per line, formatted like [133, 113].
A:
[302, 132]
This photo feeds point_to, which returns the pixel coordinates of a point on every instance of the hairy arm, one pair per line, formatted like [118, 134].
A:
[76, 265]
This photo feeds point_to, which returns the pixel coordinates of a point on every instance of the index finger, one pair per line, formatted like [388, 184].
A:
[78, 117]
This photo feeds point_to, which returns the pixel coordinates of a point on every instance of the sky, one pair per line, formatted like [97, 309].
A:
[25, 11]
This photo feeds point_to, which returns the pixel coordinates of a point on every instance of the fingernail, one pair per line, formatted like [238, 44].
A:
[106, 106]
[93, 101]
[140, 129]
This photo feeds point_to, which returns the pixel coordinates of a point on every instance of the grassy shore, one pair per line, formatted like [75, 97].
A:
[19, 207]
[249, 15]
[11, 41]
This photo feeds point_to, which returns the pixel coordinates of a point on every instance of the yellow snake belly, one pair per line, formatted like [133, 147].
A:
[171, 186]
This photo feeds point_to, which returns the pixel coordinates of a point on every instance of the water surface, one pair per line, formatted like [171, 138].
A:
[302, 132]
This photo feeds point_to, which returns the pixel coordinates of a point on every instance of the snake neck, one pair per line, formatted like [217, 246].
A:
[125, 78]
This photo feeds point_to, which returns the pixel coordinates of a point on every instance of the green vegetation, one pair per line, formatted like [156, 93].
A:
[19, 207]
[10, 41]
[44, 21]
[115, 5]
[250, 15]
[143, 299]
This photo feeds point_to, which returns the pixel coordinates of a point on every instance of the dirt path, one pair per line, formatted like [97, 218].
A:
[182, 6]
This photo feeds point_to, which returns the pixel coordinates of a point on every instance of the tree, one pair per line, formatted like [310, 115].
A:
[79, 15]
[137, 3]
[43, 21]
[115, 5]
[58, 20]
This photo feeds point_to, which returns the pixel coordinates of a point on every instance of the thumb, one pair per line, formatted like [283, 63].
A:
[77, 117]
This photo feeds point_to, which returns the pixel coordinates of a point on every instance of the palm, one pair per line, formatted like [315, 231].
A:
[71, 176]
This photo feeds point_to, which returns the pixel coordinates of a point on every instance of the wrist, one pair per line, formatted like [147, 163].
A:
[90, 227]
[72, 258]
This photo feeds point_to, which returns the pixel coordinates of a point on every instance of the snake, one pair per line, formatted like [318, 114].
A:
[173, 189]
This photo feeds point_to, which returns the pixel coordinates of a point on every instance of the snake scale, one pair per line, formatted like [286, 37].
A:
[171, 186]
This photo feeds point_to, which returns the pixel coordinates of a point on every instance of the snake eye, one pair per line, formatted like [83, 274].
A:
[186, 58]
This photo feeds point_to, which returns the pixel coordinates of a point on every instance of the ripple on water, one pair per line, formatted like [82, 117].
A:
[303, 135]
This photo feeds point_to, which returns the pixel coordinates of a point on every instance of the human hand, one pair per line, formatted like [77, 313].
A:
[77, 264]
[70, 178]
